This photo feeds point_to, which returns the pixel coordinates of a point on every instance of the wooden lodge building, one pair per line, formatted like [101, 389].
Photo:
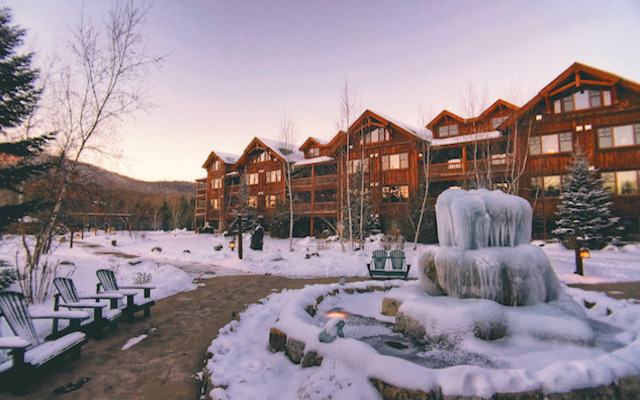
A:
[524, 151]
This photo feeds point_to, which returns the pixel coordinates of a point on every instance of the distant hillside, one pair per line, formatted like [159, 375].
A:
[114, 181]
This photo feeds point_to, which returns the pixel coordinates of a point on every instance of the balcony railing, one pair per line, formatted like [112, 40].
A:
[458, 166]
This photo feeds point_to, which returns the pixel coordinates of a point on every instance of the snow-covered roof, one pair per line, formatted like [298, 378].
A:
[232, 173]
[320, 141]
[228, 158]
[289, 152]
[421, 133]
[314, 160]
[465, 138]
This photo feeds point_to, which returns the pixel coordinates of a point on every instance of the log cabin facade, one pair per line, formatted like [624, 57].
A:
[520, 150]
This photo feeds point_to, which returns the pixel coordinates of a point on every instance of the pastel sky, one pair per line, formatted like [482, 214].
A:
[235, 68]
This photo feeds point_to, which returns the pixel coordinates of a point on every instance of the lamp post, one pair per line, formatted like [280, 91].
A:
[581, 252]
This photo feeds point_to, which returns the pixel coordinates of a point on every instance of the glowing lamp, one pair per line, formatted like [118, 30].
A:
[232, 245]
[584, 253]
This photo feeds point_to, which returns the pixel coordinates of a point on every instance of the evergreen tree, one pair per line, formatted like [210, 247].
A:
[584, 215]
[18, 159]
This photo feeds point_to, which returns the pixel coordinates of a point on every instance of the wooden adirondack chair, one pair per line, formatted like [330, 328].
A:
[101, 314]
[108, 283]
[27, 351]
[397, 270]
[397, 259]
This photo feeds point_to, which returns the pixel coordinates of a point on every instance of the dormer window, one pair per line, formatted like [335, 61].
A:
[376, 135]
[448, 130]
[583, 100]
[314, 152]
[264, 156]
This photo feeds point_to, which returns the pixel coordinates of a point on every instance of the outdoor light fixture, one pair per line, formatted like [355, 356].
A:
[584, 253]
[232, 245]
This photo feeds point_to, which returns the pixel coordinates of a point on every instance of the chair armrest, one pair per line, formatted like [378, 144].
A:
[13, 342]
[81, 315]
[147, 289]
[104, 296]
[136, 287]
[82, 305]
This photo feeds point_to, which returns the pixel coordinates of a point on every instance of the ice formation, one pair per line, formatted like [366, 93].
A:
[484, 251]
[481, 218]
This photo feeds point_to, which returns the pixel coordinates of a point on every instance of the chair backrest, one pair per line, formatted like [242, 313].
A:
[397, 258]
[14, 309]
[107, 279]
[379, 258]
[67, 289]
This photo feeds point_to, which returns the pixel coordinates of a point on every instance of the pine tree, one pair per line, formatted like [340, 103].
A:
[584, 217]
[18, 159]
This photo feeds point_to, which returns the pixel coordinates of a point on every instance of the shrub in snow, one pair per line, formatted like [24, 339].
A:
[7, 277]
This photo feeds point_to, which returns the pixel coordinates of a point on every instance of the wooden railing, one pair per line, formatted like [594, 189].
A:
[461, 166]
[315, 180]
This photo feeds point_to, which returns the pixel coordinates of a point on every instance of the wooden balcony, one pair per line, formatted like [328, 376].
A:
[458, 166]
[315, 208]
[315, 181]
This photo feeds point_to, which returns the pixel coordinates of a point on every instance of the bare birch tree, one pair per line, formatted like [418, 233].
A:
[288, 135]
[347, 104]
[473, 101]
[425, 152]
[104, 82]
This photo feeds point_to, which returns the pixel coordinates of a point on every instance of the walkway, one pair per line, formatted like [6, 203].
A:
[163, 365]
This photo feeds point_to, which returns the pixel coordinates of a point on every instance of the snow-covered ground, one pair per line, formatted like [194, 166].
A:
[171, 260]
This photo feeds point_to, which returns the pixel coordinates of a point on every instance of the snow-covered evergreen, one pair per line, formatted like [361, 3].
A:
[584, 213]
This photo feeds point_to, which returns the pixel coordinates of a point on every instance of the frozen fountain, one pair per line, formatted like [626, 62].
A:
[485, 251]
[487, 316]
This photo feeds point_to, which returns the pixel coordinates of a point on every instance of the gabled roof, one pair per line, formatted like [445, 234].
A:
[499, 103]
[416, 133]
[313, 141]
[227, 158]
[576, 76]
[280, 150]
[442, 115]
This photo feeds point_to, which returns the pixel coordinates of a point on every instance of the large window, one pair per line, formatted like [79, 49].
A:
[618, 136]
[395, 161]
[264, 156]
[448, 130]
[551, 144]
[376, 135]
[395, 194]
[582, 100]
[549, 186]
[274, 176]
[252, 201]
[216, 183]
[270, 201]
[621, 182]
[214, 204]
[253, 179]
[314, 152]
[359, 165]
[216, 165]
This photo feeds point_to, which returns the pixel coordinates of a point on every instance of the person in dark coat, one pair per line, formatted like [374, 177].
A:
[257, 238]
